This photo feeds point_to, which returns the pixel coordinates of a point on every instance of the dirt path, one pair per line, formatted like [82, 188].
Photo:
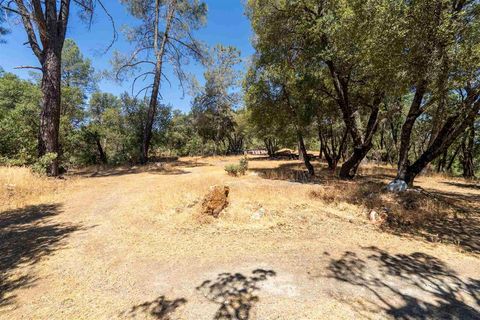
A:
[112, 247]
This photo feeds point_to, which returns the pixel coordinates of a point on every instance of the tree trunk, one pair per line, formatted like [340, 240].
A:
[51, 102]
[406, 134]
[302, 150]
[350, 167]
[468, 148]
[101, 152]
[452, 128]
[271, 146]
[452, 159]
[159, 52]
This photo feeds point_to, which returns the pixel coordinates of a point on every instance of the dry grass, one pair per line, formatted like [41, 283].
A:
[289, 198]
[19, 186]
[118, 237]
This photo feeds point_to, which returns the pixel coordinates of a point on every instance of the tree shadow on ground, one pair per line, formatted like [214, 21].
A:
[170, 167]
[474, 186]
[235, 293]
[407, 286]
[462, 227]
[26, 236]
[160, 308]
[429, 214]
[294, 171]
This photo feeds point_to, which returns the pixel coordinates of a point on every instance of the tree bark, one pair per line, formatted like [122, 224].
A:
[159, 52]
[101, 152]
[50, 110]
[304, 154]
[362, 142]
[468, 150]
[452, 128]
[406, 134]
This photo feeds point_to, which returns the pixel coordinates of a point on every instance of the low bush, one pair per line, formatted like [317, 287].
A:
[237, 169]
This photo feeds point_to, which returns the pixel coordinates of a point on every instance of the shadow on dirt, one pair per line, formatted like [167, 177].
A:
[433, 215]
[294, 171]
[27, 235]
[160, 308]
[164, 167]
[235, 293]
[474, 186]
[407, 286]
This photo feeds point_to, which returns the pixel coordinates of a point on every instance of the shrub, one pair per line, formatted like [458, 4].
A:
[243, 165]
[43, 163]
[237, 169]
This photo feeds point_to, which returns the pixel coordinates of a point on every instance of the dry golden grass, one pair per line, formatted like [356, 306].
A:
[19, 186]
[281, 189]
[136, 230]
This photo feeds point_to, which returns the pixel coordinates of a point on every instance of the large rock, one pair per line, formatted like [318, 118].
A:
[215, 201]
[397, 186]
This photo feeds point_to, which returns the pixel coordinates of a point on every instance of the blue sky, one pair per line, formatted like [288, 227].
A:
[226, 24]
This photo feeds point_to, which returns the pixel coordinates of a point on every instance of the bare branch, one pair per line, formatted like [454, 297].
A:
[115, 33]
[28, 67]
[27, 23]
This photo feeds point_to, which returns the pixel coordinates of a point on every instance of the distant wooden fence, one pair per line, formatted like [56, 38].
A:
[256, 151]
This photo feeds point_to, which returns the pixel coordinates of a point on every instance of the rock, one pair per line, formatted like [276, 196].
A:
[379, 218]
[397, 186]
[257, 215]
[215, 201]
[373, 216]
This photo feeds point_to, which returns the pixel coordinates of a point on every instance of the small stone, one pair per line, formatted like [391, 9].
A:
[257, 215]
[373, 216]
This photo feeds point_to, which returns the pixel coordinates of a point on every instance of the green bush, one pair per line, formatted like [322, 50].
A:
[43, 163]
[237, 169]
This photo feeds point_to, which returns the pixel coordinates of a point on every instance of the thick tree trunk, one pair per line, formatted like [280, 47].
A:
[361, 139]
[235, 144]
[452, 128]
[406, 134]
[302, 151]
[350, 167]
[50, 111]
[101, 152]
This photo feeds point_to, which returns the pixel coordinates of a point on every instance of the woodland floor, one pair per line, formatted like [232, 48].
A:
[123, 243]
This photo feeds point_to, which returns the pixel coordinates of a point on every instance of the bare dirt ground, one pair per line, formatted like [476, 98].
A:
[124, 243]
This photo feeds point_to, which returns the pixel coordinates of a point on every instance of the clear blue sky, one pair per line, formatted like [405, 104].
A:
[226, 24]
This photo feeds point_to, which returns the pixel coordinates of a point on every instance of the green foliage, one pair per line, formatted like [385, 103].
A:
[239, 169]
[213, 108]
[19, 111]
[3, 30]
[43, 163]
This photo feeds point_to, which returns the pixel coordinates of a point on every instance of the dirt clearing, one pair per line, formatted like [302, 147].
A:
[123, 243]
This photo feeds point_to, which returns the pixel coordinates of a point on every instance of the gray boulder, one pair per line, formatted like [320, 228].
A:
[397, 186]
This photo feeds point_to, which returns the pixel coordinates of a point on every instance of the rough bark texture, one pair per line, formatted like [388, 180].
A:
[101, 152]
[50, 107]
[50, 23]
